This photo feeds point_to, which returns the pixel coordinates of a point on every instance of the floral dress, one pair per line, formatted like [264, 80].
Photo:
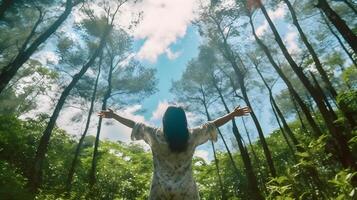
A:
[172, 178]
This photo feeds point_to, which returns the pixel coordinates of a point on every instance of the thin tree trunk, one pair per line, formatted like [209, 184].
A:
[223, 193]
[350, 5]
[339, 23]
[298, 112]
[10, 70]
[225, 144]
[250, 142]
[282, 130]
[81, 140]
[36, 171]
[346, 157]
[252, 179]
[5, 4]
[92, 173]
[348, 116]
[354, 61]
[316, 130]
[311, 50]
[228, 54]
[277, 109]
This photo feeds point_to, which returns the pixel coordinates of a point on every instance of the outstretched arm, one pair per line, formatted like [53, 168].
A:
[110, 114]
[237, 112]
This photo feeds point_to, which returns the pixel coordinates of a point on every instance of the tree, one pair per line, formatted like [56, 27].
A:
[217, 23]
[345, 155]
[35, 180]
[27, 49]
[311, 50]
[83, 136]
[339, 23]
[132, 81]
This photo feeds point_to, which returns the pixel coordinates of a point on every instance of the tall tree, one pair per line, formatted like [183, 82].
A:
[339, 40]
[9, 71]
[339, 23]
[345, 155]
[83, 136]
[214, 19]
[305, 109]
[36, 168]
[311, 50]
[132, 81]
[275, 106]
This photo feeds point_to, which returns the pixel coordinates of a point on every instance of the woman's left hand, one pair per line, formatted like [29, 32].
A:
[107, 113]
[238, 111]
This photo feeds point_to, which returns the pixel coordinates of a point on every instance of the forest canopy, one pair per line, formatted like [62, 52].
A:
[293, 63]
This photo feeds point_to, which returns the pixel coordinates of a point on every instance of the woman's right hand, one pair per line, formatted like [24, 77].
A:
[106, 113]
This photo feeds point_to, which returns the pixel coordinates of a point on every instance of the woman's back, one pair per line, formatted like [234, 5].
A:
[172, 178]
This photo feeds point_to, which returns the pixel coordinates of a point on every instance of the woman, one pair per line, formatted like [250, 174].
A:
[172, 148]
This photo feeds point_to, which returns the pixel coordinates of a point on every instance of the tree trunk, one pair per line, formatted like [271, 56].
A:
[346, 157]
[78, 148]
[10, 70]
[5, 4]
[224, 142]
[92, 173]
[316, 130]
[303, 127]
[223, 193]
[312, 52]
[350, 5]
[252, 179]
[339, 23]
[250, 142]
[283, 133]
[338, 39]
[277, 109]
[36, 171]
[228, 55]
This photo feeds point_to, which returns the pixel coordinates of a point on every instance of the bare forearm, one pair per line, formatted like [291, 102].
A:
[223, 120]
[127, 122]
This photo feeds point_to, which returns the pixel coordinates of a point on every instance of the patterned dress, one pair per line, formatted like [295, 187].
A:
[172, 178]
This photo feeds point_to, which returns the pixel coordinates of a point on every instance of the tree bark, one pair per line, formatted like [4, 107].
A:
[339, 23]
[10, 70]
[252, 179]
[346, 157]
[36, 171]
[311, 50]
[79, 146]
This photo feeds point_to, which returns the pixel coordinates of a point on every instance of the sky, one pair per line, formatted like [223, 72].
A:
[164, 39]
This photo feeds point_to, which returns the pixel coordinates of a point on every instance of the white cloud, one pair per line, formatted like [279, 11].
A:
[172, 55]
[158, 113]
[291, 40]
[279, 13]
[163, 22]
[202, 154]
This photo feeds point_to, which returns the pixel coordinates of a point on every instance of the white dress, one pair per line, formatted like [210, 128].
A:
[172, 178]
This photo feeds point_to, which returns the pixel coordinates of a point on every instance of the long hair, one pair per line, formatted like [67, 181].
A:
[175, 128]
